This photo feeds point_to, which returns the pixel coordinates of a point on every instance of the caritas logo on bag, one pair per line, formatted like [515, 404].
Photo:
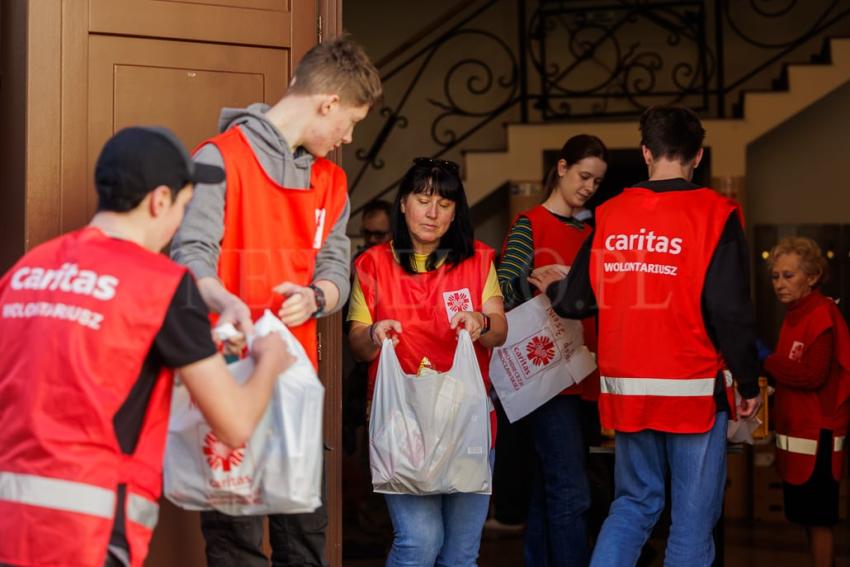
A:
[224, 465]
[220, 456]
[526, 358]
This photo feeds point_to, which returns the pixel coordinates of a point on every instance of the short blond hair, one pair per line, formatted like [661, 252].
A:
[341, 67]
[812, 261]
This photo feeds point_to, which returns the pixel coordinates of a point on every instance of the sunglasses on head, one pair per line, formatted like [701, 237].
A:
[445, 164]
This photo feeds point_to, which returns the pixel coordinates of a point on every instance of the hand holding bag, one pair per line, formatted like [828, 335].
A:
[430, 434]
[278, 471]
[543, 355]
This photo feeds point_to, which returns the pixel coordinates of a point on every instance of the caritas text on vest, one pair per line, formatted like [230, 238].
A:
[644, 240]
[68, 278]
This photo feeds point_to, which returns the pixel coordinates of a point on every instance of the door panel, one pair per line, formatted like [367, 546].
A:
[246, 22]
[182, 85]
[181, 107]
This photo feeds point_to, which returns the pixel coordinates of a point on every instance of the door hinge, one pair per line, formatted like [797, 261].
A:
[319, 345]
[319, 33]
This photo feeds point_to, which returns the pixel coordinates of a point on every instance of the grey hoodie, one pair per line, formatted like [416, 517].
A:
[197, 243]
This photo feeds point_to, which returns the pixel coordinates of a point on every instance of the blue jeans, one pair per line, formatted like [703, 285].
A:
[556, 532]
[697, 467]
[441, 530]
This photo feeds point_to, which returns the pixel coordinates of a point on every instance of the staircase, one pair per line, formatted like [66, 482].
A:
[761, 111]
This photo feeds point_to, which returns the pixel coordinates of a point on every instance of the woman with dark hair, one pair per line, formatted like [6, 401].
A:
[811, 369]
[546, 239]
[420, 289]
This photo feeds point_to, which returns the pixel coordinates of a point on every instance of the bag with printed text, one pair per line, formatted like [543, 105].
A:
[543, 355]
[430, 434]
[279, 469]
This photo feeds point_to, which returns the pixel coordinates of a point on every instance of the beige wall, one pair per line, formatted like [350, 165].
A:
[798, 172]
[381, 26]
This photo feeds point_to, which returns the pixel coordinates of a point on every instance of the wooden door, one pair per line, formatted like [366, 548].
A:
[76, 71]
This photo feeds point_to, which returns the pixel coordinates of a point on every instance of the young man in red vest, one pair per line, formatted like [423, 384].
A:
[667, 271]
[272, 235]
[93, 324]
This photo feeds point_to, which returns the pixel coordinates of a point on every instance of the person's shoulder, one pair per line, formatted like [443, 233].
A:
[478, 245]
[530, 214]
[816, 311]
[162, 265]
[822, 302]
[372, 255]
[483, 253]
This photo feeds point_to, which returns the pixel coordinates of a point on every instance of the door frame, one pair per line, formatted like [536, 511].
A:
[330, 365]
[46, 176]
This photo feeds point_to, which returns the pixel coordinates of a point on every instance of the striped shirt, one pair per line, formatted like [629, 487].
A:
[518, 260]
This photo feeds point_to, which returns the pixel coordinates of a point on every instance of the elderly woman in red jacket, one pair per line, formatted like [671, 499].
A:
[811, 368]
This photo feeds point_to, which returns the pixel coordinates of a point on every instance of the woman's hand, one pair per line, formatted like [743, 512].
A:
[472, 321]
[386, 329]
[544, 276]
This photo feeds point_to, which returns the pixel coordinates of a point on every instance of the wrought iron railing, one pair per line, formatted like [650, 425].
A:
[546, 60]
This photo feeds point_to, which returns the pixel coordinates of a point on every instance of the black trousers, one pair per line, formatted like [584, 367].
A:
[297, 540]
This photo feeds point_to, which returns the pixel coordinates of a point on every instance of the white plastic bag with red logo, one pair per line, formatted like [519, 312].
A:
[430, 434]
[279, 469]
[543, 355]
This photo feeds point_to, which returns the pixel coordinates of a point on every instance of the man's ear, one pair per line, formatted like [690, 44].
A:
[327, 104]
[647, 155]
[160, 200]
[698, 158]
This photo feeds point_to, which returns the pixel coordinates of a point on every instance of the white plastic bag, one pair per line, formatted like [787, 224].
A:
[740, 430]
[543, 355]
[279, 470]
[430, 434]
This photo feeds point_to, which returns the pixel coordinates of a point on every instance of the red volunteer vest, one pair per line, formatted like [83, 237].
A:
[272, 234]
[801, 414]
[558, 243]
[79, 314]
[650, 254]
[424, 304]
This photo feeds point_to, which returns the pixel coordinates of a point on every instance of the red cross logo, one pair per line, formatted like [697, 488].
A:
[458, 302]
[540, 350]
[220, 456]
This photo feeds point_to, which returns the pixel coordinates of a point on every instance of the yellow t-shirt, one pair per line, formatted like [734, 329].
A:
[359, 311]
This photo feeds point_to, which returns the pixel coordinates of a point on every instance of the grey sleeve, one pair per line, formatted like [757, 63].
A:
[334, 258]
[197, 243]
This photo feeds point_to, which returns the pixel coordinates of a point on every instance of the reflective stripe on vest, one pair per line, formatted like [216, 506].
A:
[57, 494]
[71, 496]
[670, 387]
[805, 446]
[142, 511]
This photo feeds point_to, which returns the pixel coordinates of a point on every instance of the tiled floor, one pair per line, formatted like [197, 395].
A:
[747, 545]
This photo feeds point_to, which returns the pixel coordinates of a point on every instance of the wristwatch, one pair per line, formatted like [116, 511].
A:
[320, 300]
[486, 327]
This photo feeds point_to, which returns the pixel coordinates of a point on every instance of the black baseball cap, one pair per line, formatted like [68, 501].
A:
[137, 160]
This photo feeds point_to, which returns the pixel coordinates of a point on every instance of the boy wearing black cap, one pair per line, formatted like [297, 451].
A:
[92, 326]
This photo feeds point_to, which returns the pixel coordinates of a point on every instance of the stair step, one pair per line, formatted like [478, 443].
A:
[839, 51]
[753, 113]
[825, 53]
